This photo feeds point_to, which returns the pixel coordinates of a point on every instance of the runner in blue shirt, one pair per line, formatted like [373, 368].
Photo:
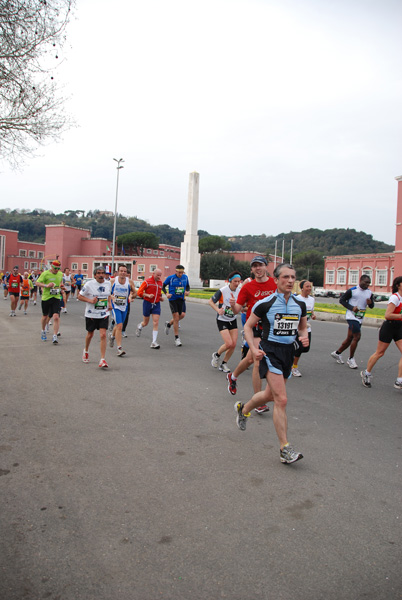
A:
[283, 319]
[178, 288]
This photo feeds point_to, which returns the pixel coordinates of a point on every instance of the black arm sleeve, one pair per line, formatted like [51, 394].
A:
[344, 299]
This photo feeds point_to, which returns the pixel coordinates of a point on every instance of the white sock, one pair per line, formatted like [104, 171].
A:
[154, 336]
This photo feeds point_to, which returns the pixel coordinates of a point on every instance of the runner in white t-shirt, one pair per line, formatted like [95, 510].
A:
[355, 300]
[304, 296]
[97, 295]
[226, 320]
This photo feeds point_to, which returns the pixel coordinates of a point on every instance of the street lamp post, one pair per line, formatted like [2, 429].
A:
[119, 166]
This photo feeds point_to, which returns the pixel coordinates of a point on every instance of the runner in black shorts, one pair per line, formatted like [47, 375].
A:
[226, 321]
[391, 330]
[283, 317]
[97, 295]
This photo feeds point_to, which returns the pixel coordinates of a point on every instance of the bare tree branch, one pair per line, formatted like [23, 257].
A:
[32, 33]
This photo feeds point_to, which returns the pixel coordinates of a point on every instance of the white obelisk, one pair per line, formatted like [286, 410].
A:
[190, 256]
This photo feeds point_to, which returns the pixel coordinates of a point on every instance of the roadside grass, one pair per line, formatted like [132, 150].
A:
[375, 313]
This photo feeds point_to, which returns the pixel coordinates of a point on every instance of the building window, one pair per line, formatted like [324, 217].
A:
[381, 277]
[32, 254]
[33, 265]
[23, 253]
[74, 266]
[149, 251]
[330, 277]
[26, 263]
[141, 268]
[40, 254]
[368, 271]
[341, 277]
[152, 268]
[85, 266]
[155, 252]
[353, 277]
[162, 253]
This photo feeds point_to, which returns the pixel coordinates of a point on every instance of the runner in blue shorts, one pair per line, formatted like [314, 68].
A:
[283, 319]
[151, 291]
[122, 287]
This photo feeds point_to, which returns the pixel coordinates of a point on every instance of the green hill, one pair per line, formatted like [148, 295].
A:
[31, 225]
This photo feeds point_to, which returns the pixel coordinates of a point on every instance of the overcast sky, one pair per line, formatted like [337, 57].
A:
[290, 110]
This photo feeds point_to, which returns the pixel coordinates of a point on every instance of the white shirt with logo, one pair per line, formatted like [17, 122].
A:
[102, 291]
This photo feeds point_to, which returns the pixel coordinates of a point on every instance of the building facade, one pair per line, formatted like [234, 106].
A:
[343, 272]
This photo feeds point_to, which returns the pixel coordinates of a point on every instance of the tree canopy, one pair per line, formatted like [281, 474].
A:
[213, 243]
[218, 266]
[136, 241]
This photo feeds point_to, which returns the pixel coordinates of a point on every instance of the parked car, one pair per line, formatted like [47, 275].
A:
[319, 291]
[381, 298]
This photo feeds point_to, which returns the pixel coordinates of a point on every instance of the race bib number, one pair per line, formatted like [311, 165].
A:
[101, 304]
[309, 313]
[25, 294]
[120, 300]
[54, 291]
[228, 312]
[285, 324]
[360, 314]
[179, 291]
[14, 284]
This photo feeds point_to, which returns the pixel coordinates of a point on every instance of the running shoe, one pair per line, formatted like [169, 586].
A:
[262, 409]
[110, 339]
[398, 385]
[11, 314]
[167, 327]
[232, 385]
[34, 302]
[120, 352]
[288, 455]
[85, 356]
[138, 331]
[43, 336]
[25, 312]
[103, 364]
[55, 340]
[296, 372]
[224, 368]
[155, 345]
[124, 334]
[177, 342]
[352, 363]
[366, 379]
[338, 358]
[241, 419]
[215, 360]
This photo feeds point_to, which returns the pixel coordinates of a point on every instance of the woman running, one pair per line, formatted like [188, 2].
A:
[226, 321]
[390, 330]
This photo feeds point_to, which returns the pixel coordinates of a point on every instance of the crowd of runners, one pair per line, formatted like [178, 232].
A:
[276, 323]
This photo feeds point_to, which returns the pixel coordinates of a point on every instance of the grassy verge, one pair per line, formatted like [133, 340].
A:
[376, 313]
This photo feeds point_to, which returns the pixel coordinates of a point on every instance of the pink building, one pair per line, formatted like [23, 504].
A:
[75, 249]
[343, 272]
[15, 253]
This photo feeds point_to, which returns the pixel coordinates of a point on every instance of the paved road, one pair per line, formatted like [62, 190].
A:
[136, 484]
